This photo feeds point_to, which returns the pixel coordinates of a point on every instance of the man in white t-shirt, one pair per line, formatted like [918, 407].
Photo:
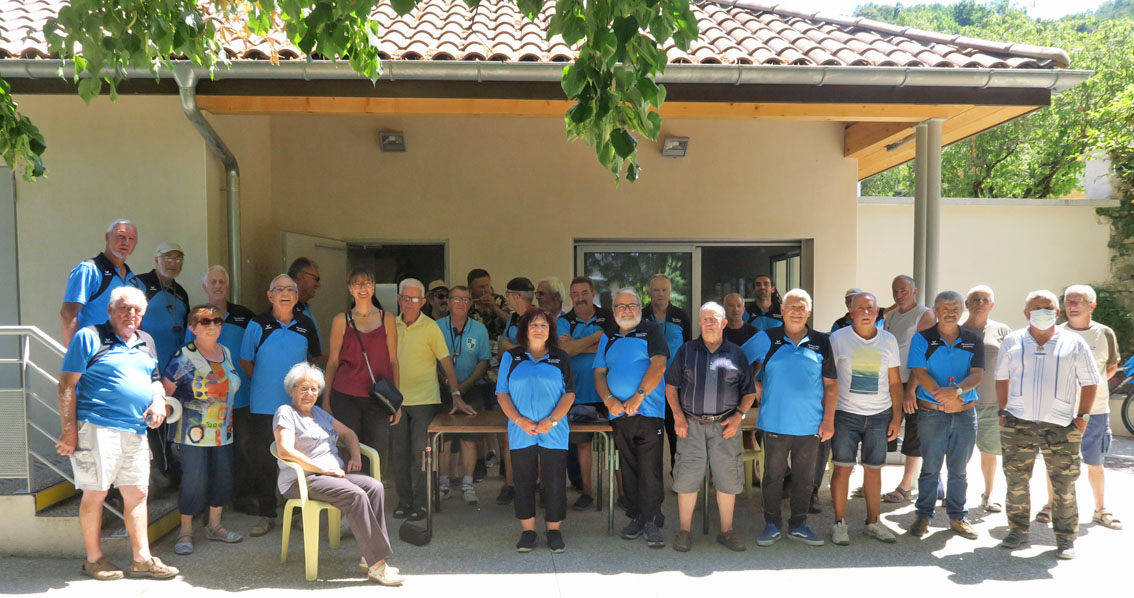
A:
[868, 413]
[904, 319]
[1079, 302]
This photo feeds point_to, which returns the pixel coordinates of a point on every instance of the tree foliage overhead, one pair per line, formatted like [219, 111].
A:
[1042, 154]
[613, 82]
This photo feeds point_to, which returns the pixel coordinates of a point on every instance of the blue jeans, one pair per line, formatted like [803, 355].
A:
[946, 438]
[206, 478]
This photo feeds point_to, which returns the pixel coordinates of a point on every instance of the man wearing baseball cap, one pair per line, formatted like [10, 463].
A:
[437, 300]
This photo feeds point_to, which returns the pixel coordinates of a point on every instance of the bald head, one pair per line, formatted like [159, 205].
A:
[734, 309]
[905, 292]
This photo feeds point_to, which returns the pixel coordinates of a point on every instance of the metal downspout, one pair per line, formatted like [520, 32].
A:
[186, 78]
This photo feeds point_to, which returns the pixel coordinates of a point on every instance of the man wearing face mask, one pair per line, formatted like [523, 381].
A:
[1039, 410]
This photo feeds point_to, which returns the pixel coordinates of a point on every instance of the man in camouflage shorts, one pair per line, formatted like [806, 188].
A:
[1039, 411]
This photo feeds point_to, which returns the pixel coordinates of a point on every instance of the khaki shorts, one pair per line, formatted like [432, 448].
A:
[988, 429]
[702, 446]
[105, 456]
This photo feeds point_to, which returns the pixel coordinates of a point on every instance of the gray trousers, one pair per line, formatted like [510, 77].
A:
[362, 500]
[411, 436]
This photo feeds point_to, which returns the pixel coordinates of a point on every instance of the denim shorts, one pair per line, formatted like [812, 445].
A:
[1096, 439]
[869, 431]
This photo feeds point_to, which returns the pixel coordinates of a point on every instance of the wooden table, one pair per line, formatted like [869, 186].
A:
[494, 422]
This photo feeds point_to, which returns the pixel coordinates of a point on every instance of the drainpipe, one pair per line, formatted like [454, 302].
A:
[186, 78]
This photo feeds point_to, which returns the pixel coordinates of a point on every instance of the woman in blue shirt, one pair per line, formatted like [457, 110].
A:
[535, 389]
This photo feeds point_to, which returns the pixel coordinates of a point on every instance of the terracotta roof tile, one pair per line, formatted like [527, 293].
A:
[732, 32]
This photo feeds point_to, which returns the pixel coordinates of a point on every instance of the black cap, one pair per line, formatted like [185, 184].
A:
[521, 284]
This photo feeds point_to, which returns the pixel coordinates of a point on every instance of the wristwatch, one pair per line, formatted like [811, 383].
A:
[456, 393]
[1086, 417]
[554, 422]
[1004, 412]
[959, 390]
[640, 392]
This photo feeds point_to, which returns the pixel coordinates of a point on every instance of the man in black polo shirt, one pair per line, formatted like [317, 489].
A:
[710, 387]
[736, 330]
[677, 330]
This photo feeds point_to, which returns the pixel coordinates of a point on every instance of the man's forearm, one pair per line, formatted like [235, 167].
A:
[653, 375]
[67, 411]
[1087, 398]
[1002, 393]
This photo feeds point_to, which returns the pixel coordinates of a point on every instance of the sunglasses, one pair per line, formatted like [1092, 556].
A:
[210, 321]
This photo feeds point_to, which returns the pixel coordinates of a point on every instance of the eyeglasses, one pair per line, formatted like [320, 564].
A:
[315, 276]
[411, 299]
[307, 390]
[360, 285]
[285, 289]
[173, 259]
[539, 326]
[460, 300]
[211, 321]
[440, 296]
[624, 307]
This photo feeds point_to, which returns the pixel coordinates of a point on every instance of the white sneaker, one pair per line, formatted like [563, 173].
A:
[490, 459]
[469, 494]
[880, 532]
[839, 534]
[444, 493]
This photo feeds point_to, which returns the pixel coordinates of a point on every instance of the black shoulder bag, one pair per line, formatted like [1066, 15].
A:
[382, 391]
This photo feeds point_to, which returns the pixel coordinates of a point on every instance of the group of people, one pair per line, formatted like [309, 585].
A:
[548, 355]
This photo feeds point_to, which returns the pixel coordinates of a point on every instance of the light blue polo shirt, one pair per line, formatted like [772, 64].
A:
[676, 327]
[946, 363]
[626, 358]
[511, 328]
[232, 338]
[117, 388]
[763, 320]
[583, 363]
[792, 402]
[167, 308]
[282, 347]
[535, 387]
[467, 347]
[84, 281]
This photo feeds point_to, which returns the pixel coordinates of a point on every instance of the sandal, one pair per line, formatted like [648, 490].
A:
[102, 570]
[1044, 515]
[897, 495]
[186, 547]
[1104, 518]
[153, 568]
[385, 575]
[228, 537]
[362, 566]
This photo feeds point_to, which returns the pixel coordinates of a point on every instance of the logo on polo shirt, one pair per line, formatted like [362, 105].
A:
[239, 319]
[813, 347]
[968, 345]
[270, 326]
[554, 360]
[301, 329]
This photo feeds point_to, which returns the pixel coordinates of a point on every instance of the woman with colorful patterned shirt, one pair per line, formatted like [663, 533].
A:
[202, 375]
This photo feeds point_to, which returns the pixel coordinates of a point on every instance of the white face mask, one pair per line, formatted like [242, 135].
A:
[1042, 319]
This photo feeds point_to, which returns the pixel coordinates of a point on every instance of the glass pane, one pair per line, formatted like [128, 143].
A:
[793, 271]
[733, 269]
[781, 273]
[618, 269]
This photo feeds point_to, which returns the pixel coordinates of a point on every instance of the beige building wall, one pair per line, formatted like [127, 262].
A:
[1013, 249]
[511, 194]
[138, 159]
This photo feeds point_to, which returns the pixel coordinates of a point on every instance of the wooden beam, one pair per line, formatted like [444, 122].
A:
[901, 113]
[862, 137]
[971, 122]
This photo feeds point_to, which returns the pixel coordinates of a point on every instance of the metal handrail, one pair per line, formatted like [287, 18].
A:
[37, 334]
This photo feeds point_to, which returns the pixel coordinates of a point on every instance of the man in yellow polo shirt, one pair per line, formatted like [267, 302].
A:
[420, 347]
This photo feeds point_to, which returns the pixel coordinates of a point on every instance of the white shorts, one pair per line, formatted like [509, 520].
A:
[105, 456]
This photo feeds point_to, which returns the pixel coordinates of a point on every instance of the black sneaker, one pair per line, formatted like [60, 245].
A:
[527, 541]
[634, 529]
[479, 471]
[507, 493]
[585, 502]
[555, 541]
[654, 536]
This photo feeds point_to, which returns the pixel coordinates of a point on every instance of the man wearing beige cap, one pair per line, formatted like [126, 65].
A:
[437, 300]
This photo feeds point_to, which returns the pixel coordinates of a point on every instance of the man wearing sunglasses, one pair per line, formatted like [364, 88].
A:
[437, 300]
[305, 272]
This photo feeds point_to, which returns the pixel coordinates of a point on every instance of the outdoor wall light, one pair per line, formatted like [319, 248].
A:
[674, 147]
[392, 141]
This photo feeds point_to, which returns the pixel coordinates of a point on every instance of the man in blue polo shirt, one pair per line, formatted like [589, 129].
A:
[797, 412]
[519, 294]
[167, 301]
[109, 391]
[471, 352]
[273, 342]
[676, 327]
[91, 281]
[947, 363]
[215, 283]
[580, 331]
[628, 367]
[765, 312]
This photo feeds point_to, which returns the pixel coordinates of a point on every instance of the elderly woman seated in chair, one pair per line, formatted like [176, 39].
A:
[308, 436]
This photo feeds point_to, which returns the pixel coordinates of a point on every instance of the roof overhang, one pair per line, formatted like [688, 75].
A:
[879, 105]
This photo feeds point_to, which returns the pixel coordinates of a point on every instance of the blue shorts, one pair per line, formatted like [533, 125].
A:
[869, 431]
[1096, 439]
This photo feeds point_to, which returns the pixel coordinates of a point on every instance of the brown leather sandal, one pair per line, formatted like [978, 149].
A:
[154, 569]
[102, 570]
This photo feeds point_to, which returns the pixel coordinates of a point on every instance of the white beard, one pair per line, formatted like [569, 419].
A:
[629, 322]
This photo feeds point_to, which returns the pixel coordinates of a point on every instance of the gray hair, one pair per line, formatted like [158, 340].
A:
[1044, 293]
[802, 294]
[556, 286]
[217, 268]
[279, 276]
[714, 307]
[118, 223]
[981, 288]
[1086, 290]
[864, 294]
[122, 294]
[948, 297]
[300, 372]
[624, 291]
[907, 278]
[410, 283]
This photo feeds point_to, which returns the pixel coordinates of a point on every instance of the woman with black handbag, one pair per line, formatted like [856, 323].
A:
[362, 370]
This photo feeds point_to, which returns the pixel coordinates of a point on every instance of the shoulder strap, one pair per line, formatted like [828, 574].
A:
[264, 334]
[357, 334]
[107, 277]
[774, 334]
[106, 339]
[516, 361]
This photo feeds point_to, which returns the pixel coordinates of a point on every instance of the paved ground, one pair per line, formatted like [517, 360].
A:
[472, 554]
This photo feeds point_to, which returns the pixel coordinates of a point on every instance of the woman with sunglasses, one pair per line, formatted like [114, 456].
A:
[203, 377]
